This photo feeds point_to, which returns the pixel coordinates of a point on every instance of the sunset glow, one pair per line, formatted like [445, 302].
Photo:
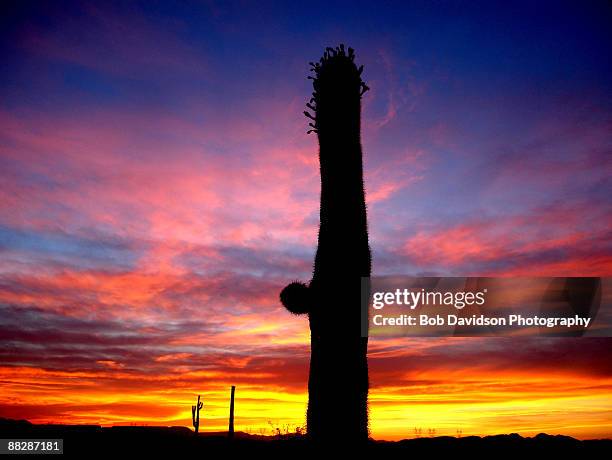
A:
[158, 190]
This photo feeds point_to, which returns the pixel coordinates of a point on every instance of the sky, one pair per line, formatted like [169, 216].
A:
[158, 190]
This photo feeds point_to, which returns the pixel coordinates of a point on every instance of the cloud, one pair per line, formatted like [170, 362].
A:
[556, 240]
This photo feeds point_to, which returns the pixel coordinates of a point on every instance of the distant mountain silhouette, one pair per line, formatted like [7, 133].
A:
[82, 441]
[338, 381]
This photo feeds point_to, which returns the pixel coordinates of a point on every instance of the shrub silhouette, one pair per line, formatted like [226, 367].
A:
[338, 381]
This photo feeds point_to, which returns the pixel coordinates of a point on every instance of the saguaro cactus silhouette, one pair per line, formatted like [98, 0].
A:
[338, 381]
[195, 414]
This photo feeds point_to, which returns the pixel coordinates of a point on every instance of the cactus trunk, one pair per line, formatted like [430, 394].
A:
[338, 381]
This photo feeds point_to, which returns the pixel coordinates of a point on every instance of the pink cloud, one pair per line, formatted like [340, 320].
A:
[546, 241]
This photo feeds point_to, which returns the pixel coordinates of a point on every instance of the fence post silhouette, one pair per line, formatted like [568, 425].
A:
[332, 298]
[230, 433]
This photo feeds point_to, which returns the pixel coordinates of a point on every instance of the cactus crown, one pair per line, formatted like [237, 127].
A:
[335, 73]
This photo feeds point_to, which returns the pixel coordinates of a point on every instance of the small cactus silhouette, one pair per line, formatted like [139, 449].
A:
[332, 299]
[195, 414]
